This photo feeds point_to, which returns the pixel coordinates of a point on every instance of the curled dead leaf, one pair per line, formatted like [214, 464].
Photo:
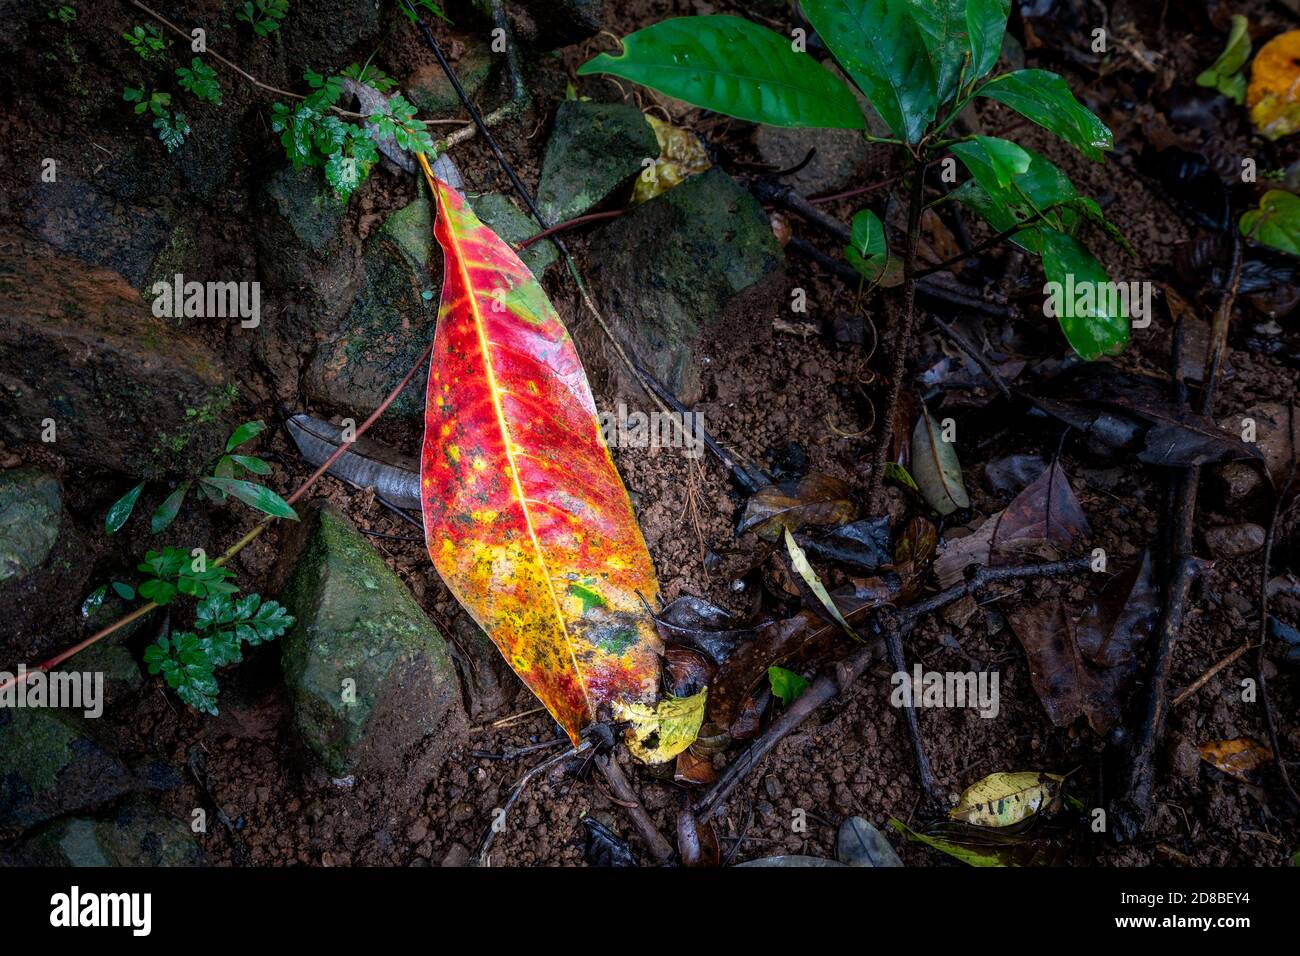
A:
[1238, 758]
[658, 734]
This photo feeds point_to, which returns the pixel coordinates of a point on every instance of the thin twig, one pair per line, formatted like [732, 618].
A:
[517, 790]
[628, 799]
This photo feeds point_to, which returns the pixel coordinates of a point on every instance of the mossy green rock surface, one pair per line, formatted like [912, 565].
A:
[369, 676]
[31, 511]
[595, 151]
[134, 834]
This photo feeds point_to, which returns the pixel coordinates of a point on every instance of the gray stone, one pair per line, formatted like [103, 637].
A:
[49, 767]
[858, 843]
[31, 510]
[134, 834]
[693, 269]
[357, 622]
[841, 158]
[388, 324]
[126, 391]
[595, 151]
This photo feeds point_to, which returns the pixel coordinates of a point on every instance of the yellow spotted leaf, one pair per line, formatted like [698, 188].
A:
[658, 734]
[1274, 92]
[1004, 799]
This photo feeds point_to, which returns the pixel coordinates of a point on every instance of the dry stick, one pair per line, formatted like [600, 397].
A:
[845, 672]
[902, 343]
[1133, 808]
[242, 542]
[252, 79]
[1204, 679]
[571, 224]
[661, 848]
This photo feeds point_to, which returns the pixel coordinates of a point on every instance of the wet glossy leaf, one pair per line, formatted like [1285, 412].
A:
[122, 508]
[1004, 799]
[879, 45]
[868, 250]
[604, 847]
[245, 432]
[658, 734]
[167, 511]
[525, 516]
[986, 22]
[935, 467]
[1092, 325]
[786, 685]
[1044, 98]
[864, 544]
[942, 24]
[1275, 221]
[253, 495]
[736, 67]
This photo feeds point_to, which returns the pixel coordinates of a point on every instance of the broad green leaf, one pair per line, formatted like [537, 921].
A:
[124, 590]
[729, 65]
[1006, 159]
[245, 432]
[786, 685]
[1094, 322]
[986, 22]
[868, 251]
[970, 855]
[255, 496]
[1042, 188]
[935, 467]
[943, 31]
[122, 508]
[168, 510]
[1276, 222]
[879, 44]
[1225, 74]
[1044, 98]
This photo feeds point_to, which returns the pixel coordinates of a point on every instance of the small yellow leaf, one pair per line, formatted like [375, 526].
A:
[1274, 92]
[1237, 758]
[658, 734]
[1003, 799]
[681, 154]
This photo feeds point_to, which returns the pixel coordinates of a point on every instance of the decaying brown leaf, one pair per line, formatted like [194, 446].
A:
[1005, 799]
[815, 499]
[1274, 92]
[935, 467]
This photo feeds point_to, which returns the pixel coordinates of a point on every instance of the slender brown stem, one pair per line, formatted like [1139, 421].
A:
[902, 342]
[660, 847]
[571, 224]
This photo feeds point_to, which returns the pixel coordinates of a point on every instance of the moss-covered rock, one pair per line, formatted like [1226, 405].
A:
[49, 766]
[595, 151]
[389, 323]
[369, 676]
[696, 267]
[124, 390]
[430, 90]
[134, 834]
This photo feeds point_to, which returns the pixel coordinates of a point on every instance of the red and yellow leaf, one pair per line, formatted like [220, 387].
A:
[525, 516]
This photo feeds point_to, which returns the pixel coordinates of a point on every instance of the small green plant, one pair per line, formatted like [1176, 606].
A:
[919, 63]
[223, 623]
[148, 101]
[201, 80]
[426, 5]
[263, 16]
[229, 478]
[313, 134]
[62, 12]
[148, 43]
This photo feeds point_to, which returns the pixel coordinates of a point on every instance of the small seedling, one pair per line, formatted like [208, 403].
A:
[201, 80]
[263, 16]
[147, 41]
